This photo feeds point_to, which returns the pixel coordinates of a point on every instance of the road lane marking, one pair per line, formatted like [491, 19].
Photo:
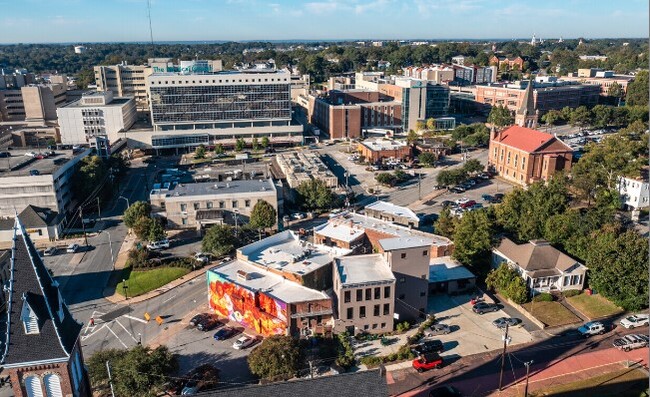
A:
[168, 299]
[118, 338]
[127, 331]
[134, 318]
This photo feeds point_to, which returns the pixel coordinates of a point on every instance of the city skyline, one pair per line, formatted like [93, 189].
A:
[288, 20]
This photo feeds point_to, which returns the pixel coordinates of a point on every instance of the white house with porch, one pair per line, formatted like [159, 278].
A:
[543, 267]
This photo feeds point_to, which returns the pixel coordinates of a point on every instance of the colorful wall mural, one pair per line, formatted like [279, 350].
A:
[258, 311]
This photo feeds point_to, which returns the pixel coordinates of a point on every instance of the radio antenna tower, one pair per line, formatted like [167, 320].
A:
[153, 52]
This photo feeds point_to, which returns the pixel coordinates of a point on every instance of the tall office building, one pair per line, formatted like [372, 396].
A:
[125, 81]
[194, 106]
[420, 100]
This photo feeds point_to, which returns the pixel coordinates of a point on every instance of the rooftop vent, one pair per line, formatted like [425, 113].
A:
[243, 275]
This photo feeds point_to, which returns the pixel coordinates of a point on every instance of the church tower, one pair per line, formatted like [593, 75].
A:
[41, 350]
[526, 115]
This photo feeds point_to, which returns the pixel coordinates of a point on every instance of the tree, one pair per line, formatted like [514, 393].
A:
[219, 240]
[500, 116]
[602, 115]
[314, 194]
[446, 224]
[451, 177]
[473, 240]
[263, 215]
[139, 371]
[219, 149]
[156, 231]
[240, 144]
[265, 142]
[427, 159]
[473, 165]
[256, 144]
[618, 266]
[276, 358]
[200, 152]
[136, 211]
[420, 125]
[580, 117]
[412, 137]
[141, 227]
[637, 91]
[615, 90]
[386, 179]
[508, 282]
[90, 174]
[431, 124]
[552, 117]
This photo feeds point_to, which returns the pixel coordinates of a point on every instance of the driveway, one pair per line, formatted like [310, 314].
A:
[471, 333]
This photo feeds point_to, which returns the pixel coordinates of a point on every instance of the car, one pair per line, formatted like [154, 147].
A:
[467, 204]
[440, 329]
[209, 323]
[243, 342]
[484, 176]
[484, 307]
[34, 172]
[445, 391]
[427, 362]
[471, 182]
[592, 328]
[498, 197]
[224, 333]
[156, 245]
[635, 320]
[476, 206]
[457, 189]
[197, 319]
[30, 154]
[466, 185]
[461, 200]
[487, 197]
[286, 219]
[72, 248]
[204, 377]
[298, 215]
[202, 257]
[447, 203]
[501, 322]
[428, 346]
[50, 251]
[631, 342]
[5, 154]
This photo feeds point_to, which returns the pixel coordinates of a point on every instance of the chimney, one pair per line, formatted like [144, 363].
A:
[493, 133]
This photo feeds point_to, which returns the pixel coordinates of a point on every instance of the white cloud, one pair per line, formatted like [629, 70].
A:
[322, 7]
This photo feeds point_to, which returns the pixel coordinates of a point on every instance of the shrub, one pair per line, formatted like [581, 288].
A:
[403, 327]
[345, 357]
[372, 361]
[405, 353]
[571, 292]
[543, 297]
[137, 258]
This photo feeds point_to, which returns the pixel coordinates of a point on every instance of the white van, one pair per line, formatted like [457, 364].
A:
[157, 245]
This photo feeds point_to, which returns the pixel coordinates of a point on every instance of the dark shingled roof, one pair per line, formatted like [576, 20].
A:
[32, 218]
[31, 282]
[357, 384]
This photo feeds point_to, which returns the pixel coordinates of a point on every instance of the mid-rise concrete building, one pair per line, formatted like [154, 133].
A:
[606, 81]
[420, 100]
[96, 115]
[197, 205]
[364, 287]
[299, 167]
[33, 103]
[125, 80]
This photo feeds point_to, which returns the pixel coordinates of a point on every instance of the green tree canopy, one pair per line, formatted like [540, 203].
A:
[427, 159]
[552, 117]
[445, 224]
[637, 91]
[256, 143]
[136, 211]
[240, 144]
[219, 240]
[265, 142]
[431, 123]
[219, 149]
[156, 231]
[386, 179]
[90, 174]
[412, 136]
[314, 194]
[276, 358]
[200, 152]
[420, 125]
[500, 116]
[581, 117]
[473, 240]
[139, 371]
[508, 282]
[451, 177]
[473, 165]
[263, 215]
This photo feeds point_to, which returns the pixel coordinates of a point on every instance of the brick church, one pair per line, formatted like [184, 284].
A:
[40, 348]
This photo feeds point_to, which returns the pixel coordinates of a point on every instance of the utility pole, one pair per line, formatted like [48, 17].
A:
[99, 210]
[311, 369]
[110, 378]
[503, 358]
[83, 225]
[527, 364]
[110, 245]
[419, 186]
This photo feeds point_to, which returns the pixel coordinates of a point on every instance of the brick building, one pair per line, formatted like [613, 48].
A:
[376, 150]
[524, 156]
[42, 350]
[509, 61]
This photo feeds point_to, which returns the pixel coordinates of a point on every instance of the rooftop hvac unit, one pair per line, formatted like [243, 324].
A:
[241, 274]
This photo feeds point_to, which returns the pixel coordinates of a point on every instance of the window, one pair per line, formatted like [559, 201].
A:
[196, 206]
[386, 309]
[346, 296]
[423, 293]
[375, 310]
[247, 203]
[359, 295]
[234, 204]
[374, 326]
[366, 327]
[350, 313]
[383, 325]
[208, 205]
[52, 385]
[184, 221]
[368, 294]
[508, 159]
[362, 312]
[523, 163]
[403, 255]
[183, 207]
[516, 158]
[402, 280]
[377, 293]
[386, 292]
[222, 204]
[33, 386]
[425, 253]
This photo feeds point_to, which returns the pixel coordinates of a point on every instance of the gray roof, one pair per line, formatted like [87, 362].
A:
[359, 269]
[446, 269]
[356, 384]
[219, 188]
[32, 218]
[535, 255]
[31, 283]
[390, 208]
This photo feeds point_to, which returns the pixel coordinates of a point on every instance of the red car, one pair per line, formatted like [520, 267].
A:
[427, 361]
[468, 204]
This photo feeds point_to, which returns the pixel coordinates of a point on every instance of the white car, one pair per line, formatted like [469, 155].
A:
[72, 248]
[462, 200]
[635, 320]
[243, 342]
[202, 257]
[30, 154]
[160, 244]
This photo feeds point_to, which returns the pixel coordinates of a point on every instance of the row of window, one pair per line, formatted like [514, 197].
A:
[516, 158]
[214, 81]
[376, 311]
[222, 204]
[369, 293]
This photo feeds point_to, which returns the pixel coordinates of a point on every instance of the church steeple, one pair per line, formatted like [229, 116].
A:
[526, 115]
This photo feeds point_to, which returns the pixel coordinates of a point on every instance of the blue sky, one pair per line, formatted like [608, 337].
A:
[30, 21]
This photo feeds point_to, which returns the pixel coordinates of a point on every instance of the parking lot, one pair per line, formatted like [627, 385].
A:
[471, 333]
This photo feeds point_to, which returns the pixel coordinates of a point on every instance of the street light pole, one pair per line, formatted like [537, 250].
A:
[110, 245]
[99, 210]
[128, 205]
[527, 364]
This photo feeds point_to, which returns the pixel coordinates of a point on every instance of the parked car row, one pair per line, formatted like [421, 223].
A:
[471, 182]
[207, 322]
[631, 342]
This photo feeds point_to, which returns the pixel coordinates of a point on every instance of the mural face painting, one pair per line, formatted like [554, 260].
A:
[258, 311]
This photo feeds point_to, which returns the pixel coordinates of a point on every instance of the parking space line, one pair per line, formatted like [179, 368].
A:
[135, 318]
[127, 331]
[118, 338]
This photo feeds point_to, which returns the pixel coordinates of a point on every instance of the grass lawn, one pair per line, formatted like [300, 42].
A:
[140, 282]
[552, 314]
[621, 383]
[594, 306]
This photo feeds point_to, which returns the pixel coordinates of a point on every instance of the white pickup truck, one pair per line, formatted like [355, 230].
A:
[631, 342]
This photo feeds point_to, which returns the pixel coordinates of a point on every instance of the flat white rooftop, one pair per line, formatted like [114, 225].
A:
[287, 252]
[390, 208]
[446, 268]
[383, 144]
[362, 269]
[260, 279]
